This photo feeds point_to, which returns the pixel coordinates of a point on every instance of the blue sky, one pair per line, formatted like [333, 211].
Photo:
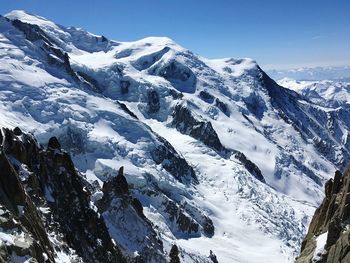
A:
[278, 34]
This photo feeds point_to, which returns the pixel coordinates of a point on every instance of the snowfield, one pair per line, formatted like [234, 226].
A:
[113, 104]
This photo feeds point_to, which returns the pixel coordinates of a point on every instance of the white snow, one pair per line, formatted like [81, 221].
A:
[320, 243]
[6, 238]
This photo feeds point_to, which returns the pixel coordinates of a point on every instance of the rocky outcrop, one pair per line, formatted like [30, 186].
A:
[153, 101]
[250, 166]
[185, 220]
[223, 107]
[127, 110]
[171, 161]
[71, 207]
[93, 83]
[328, 238]
[34, 180]
[54, 55]
[20, 222]
[185, 122]
[54, 143]
[174, 254]
[206, 96]
[126, 222]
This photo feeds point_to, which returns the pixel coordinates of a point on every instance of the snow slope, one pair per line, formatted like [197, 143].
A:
[179, 124]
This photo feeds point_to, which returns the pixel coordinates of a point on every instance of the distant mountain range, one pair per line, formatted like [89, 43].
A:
[316, 73]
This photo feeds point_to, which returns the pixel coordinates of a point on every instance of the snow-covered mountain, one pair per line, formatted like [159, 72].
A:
[215, 153]
[341, 73]
[327, 93]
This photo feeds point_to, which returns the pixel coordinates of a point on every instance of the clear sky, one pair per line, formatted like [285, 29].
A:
[276, 33]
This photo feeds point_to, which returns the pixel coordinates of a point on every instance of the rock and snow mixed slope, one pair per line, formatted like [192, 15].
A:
[218, 155]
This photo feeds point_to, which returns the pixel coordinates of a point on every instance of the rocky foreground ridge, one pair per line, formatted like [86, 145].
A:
[46, 212]
[328, 238]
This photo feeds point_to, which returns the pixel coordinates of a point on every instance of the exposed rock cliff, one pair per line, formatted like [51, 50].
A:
[45, 206]
[46, 209]
[328, 238]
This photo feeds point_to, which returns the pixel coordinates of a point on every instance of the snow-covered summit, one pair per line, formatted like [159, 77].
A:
[30, 18]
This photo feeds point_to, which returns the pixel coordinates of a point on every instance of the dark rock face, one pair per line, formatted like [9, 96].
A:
[223, 107]
[332, 218]
[175, 94]
[250, 166]
[174, 254]
[17, 131]
[54, 143]
[185, 223]
[206, 96]
[186, 123]
[49, 180]
[255, 105]
[212, 257]
[203, 131]
[31, 32]
[20, 215]
[176, 165]
[117, 184]
[55, 56]
[104, 39]
[173, 71]
[153, 101]
[126, 109]
[71, 208]
[126, 222]
[187, 220]
[90, 80]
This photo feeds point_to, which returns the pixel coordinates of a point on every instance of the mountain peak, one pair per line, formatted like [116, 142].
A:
[27, 17]
[159, 41]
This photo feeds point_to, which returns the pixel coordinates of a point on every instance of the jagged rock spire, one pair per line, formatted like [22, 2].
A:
[328, 238]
